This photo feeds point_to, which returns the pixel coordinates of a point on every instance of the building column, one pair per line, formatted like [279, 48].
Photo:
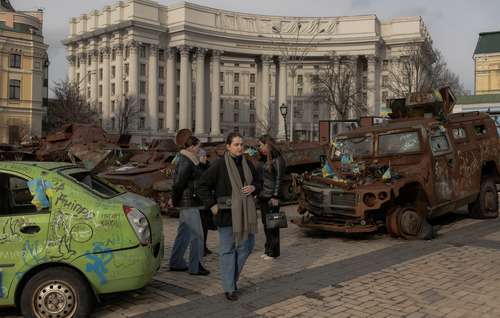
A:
[83, 74]
[282, 97]
[119, 79]
[353, 113]
[153, 88]
[94, 81]
[200, 92]
[215, 129]
[133, 83]
[371, 85]
[171, 88]
[263, 106]
[185, 84]
[106, 86]
[72, 68]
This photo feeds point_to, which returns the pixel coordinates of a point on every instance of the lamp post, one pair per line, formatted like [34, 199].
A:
[284, 111]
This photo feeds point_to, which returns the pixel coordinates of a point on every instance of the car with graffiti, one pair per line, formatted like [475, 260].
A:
[67, 236]
[421, 164]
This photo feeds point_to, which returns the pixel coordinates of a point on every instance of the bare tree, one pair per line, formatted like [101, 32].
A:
[420, 69]
[335, 85]
[127, 114]
[69, 106]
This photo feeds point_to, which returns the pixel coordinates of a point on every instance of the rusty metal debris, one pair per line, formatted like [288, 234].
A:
[422, 163]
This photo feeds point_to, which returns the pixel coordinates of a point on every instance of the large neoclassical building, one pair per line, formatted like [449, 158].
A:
[211, 70]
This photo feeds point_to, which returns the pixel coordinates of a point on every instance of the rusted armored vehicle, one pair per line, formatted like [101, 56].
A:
[421, 164]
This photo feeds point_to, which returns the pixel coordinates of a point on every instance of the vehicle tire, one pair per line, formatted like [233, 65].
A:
[288, 193]
[56, 292]
[391, 220]
[413, 225]
[486, 204]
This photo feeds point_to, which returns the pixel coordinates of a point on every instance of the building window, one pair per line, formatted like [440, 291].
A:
[385, 81]
[100, 74]
[15, 89]
[252, 65]
[236, 64]
[299, 91]
[78, 62]
[88, 92]
[161, 55]
[161, 106]
[142, 87]
[112, 124]
[113, 88]
[113, 71]
[160, 123]
[142, 51]
[100, 107]
[316, 106]
[113, 55]
[316, 67]
[15, 60]
[252, 78]
[101, 58]
[161, 72]
[126, 69]
[89, 76]
[384, 97]
[236, 117]
[300, 79]
[113, 106]
[161, 89]
[127, 52]
[221, 117]
[236, 77]
[252, 118]
[126, 87]
[78, 78]
[142, 123]
[100, 90]
[365, 98]
[365, 82]
[252, 104]
[222, 89]
[236, 91]
[89, 59]
[316, 116]
[385, 65]
[143, 69]
[221, 76]
[142, 105]
[236, 104]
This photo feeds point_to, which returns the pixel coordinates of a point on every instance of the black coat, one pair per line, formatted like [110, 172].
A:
[272, 177]
[214, 183]
[185, 182]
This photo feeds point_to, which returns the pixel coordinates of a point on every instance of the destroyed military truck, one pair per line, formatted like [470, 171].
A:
[422, 163]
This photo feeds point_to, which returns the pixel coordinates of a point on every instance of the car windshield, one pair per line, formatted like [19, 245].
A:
[356, 147]
[400, 143]
[95, 183]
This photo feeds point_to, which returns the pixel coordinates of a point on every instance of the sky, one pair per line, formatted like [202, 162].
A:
[454, 25]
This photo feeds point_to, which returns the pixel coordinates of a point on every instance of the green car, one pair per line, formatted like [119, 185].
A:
[67, 236]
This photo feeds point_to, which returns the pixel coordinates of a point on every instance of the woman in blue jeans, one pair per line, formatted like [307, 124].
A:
[228, 188]
[189, 231]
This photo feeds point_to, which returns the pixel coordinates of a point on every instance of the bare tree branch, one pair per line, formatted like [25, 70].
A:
[127, 114]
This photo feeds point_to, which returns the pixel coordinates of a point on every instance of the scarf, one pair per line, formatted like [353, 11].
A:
[243, 211]
[190, 156]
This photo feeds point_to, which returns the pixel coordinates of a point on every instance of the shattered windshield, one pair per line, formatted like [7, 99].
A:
[400, 143]
[355, 147]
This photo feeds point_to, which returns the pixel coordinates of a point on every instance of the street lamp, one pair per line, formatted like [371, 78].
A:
[284, 111]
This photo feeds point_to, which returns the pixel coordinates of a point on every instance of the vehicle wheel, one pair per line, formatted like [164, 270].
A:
[56, 292]
[391, 220]
[412, 225]
[287, 192]
[486, 204]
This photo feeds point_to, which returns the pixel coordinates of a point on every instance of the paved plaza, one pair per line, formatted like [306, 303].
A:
[325, 275]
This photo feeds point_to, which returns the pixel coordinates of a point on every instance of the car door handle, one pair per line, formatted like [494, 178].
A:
[30, 229]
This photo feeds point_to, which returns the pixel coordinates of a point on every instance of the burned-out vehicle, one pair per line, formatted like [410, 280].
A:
[421, 164]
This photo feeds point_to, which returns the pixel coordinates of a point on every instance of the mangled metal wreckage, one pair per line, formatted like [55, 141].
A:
[423, 163]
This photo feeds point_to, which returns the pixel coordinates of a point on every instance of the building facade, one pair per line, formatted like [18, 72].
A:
[487, 63]
[214, 71]
[24, 74]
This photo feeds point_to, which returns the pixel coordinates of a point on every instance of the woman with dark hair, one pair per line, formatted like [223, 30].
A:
[227, 188]
[190, 230]
[271, 174]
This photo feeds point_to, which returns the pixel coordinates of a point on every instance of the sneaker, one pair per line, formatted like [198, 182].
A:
[178, 269]
[202, 271]
[266, 257]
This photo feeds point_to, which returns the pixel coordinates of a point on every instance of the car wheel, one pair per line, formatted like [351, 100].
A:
[486, 204]
[288, 193]
[413, 225]
[56, 292]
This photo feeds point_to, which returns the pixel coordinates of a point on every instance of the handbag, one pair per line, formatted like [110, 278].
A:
[224, 203]
[276, 220]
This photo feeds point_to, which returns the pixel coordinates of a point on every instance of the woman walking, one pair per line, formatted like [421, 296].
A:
[271, 171]
[189, 231]
[227, 189]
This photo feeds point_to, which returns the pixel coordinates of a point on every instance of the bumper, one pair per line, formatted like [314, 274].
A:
[309, 223]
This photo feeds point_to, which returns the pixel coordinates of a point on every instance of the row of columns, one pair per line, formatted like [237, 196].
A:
[264, 113]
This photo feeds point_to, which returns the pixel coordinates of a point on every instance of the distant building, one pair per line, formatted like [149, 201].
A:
[215, 71]
[481, 103]
[487, 63]
[23, 73]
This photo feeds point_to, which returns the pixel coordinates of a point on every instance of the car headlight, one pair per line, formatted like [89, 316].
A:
[139, 223]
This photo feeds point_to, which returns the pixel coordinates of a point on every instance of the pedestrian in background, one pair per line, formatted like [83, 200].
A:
[234, 183]
[271, 171]
[189, 231]
[206, 215]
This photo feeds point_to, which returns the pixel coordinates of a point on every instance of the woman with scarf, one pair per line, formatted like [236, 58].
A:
[190, 230]
[228, 188]
[271, 174]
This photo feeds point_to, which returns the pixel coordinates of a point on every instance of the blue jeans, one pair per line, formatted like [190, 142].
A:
[232, 258]
[189, 233]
